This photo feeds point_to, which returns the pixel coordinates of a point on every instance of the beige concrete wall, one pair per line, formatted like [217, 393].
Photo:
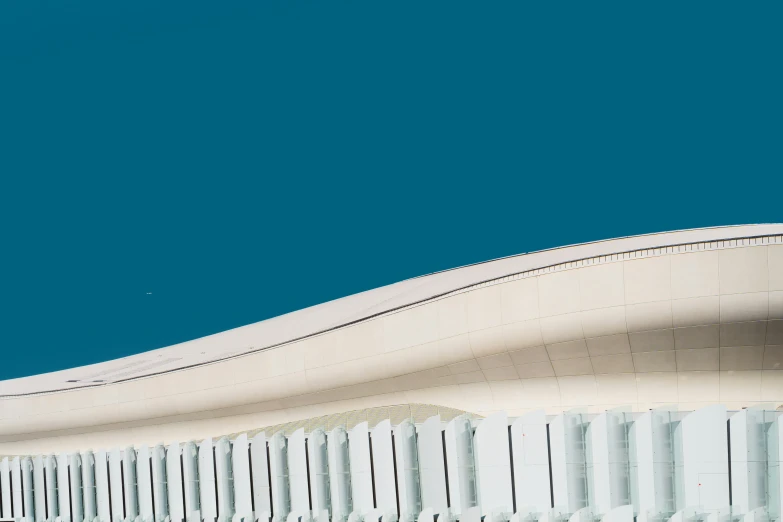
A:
[690, 328]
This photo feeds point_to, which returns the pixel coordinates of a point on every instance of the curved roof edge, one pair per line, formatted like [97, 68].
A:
[359, 307]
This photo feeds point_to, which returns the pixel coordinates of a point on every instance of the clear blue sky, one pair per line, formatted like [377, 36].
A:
[244, 159]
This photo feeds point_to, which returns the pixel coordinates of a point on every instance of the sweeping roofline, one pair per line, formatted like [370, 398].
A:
[346, 311]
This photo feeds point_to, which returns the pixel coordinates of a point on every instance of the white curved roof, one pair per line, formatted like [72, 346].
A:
[341, 312]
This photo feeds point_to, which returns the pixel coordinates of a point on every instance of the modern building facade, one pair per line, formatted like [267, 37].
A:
[636, 377]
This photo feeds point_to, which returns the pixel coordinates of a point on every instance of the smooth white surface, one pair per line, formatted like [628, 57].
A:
[493, 465]
[531, 462]
[89, 493]
[159, 487]
[190, 481]
[704, 476]
[39, 490]
[361, 470]
[102, 486]
[243, 504]
[383, 467]
[223, 477]
[206, 472]
[174, 483]
[17, 488]
[62, 487]
[261, 492]
[297, 472]
[278, 469]
[339, 474]
[75, 487]
[431, 465]
[144, 483]
[5, 487]
[319, 471]
[461, 472]
[407, 466]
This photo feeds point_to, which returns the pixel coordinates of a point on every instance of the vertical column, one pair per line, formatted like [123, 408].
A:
[224, 476]
[5, 487]
[130, 484]
[240, 460]
[89, 489]
[774, 441]
[190, 482]
[278, 470]
[703, 474]
[52, 503]
[63, 487]
[174, 483]
[297, 473]
[493, 465]
[432, 466]
[319, 474]
[339, 474]
[16, 489]
[206, 472]
[460, 465]
[652, 464]
[569, 476]
[102, 492]
[116, 486]
[39, 489]
[361, 471]
[28, 488]
[160, 487]
[608, 470]
[261, 491]
[531, 463]
[408, 484]
[144, 484]
[383, 468]
[77, 493]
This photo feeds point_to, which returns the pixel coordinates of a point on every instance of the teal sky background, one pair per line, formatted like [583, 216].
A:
[244, 159]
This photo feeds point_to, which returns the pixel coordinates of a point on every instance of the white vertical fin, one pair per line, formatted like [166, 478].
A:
[174, 482]
[278, 470]
[319, 471]
[407, 456]
[206, 474]
[17, 487]
[190, 482]
[89, 501]
[144, 483]
[361, 472]
[297, 473]
[531, 462]
[5, 487]
[63, 487]
[102, 486]
[432, 466]
[159, 486]
[493, 465]
[116, 486]
[243, 503]
[460, 465]
[261, 493]
[130, 484]
[339, 475]
[225, 478]
[383, 467]
[39, 489]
